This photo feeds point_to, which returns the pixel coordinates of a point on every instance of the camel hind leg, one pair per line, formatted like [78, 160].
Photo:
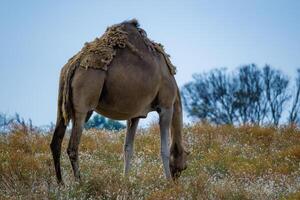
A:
[86, 90]
[78, 122]
[55, 146]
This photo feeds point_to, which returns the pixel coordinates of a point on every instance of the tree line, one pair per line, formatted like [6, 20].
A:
[249, 95]
[8, 123]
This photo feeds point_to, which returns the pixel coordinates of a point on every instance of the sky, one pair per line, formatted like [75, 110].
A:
[38, 37]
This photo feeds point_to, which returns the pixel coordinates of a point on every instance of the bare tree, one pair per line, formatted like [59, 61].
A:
[295, 109]
[222, 90]
[252, 95]
[209, 97]
[276, 85]
[250, 101]
[197, 98]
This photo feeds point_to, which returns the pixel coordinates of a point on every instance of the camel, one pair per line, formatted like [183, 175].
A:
[122, 75]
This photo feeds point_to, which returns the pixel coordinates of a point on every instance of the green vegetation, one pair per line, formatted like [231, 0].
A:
[248, 162]
[100, 122]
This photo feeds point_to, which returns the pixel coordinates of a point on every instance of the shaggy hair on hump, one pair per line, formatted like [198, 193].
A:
[134, 22]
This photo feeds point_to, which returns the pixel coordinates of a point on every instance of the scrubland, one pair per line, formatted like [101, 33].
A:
[226, 162]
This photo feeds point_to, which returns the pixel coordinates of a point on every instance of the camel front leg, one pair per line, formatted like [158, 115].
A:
[129, 140]
[165, 118]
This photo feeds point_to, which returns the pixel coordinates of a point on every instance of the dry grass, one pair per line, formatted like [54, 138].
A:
[225, 163]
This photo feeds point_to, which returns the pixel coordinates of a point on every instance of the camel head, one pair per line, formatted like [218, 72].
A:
[178, 160]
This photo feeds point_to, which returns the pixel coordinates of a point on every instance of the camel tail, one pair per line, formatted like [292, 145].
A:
[61, 115]
[65, 110]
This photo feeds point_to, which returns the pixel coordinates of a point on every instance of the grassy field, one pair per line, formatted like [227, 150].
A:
[225, 163]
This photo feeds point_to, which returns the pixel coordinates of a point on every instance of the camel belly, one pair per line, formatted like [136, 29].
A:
[119, 115]
[125, 100]
[123, 108]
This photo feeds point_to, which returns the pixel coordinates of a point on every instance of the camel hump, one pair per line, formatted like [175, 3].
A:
[133, 22]
[153, 46]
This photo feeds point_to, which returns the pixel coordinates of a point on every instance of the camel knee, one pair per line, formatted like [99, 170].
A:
[54, 148]
[127, 147]
[72, 153]
[128, 151]
[57, 138]
[73, 156]
[165, 155]
[164, 150]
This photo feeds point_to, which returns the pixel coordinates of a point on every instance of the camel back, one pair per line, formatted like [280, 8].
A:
[99, 53]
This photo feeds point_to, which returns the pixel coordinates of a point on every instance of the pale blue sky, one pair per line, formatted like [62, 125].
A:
[38, 37]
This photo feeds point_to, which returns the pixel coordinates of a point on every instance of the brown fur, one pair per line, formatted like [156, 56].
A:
[99, 54]
[133, 79]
